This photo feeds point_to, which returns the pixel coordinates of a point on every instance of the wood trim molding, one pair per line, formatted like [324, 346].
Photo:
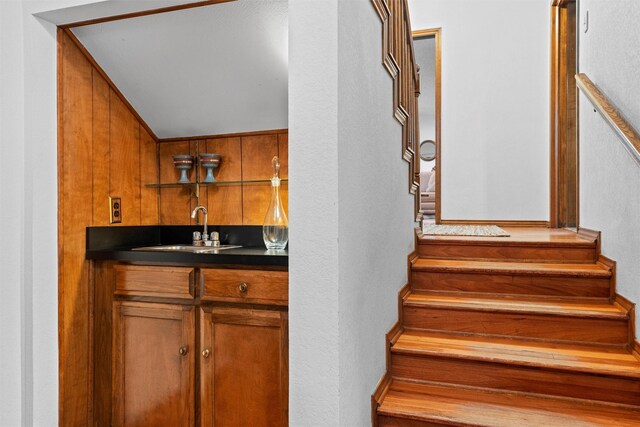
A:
[224, 135]
[563, 110]
[625, 131]
[390, 338]
[437, 34]
[500, 223]
[142, 13]
[398, 58]
[589, 234]
[112, 85]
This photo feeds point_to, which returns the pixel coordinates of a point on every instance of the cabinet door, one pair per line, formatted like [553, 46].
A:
[243, 367]
[153, 364]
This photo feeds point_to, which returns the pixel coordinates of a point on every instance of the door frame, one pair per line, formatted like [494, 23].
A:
[564, 138]
[436, 33]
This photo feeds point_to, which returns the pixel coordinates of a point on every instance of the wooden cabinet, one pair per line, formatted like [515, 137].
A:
[243, 368]
[153, 364]
[232, 347]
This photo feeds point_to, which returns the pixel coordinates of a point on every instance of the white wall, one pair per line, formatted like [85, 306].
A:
[609, 178]
[11, 211]
[313, 213]
[351, 216]
[495, 106]
[28, 176]
[375, 209]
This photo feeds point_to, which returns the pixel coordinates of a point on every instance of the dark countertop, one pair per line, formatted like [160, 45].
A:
[116, 243]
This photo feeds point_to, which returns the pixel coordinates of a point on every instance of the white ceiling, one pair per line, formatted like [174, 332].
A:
[105, 8]
[207, 70]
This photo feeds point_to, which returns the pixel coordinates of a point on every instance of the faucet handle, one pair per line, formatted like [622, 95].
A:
[197, 238]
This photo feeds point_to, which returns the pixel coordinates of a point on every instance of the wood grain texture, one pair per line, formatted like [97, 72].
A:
[175, 203]
[257, 154]
[614, 117]
[95, 126]
[225, 135]
[516, 378]
[124, 160]
[399, 60]
[71, 36]
[142, 13]
[244, 378]
[224, 202]
[564, 116]
[262, 287]
[103, 283]
[152, 382]
[75, 213]
[149, 172]
[101, 142]
[283, 153]
[483, 330]
[162, 282]
[412, 405]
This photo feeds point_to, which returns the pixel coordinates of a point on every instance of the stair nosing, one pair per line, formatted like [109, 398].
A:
[501, 267]
[547, 364]
[618, 315]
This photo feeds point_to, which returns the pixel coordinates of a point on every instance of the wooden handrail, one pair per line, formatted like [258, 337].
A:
[398, 58]
[628, 135]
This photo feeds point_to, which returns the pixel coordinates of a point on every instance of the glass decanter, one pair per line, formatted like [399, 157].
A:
[275, 228]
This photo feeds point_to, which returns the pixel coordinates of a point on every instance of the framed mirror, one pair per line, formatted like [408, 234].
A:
[428, 150]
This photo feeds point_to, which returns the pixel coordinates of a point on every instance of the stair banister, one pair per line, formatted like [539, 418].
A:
[625, 131]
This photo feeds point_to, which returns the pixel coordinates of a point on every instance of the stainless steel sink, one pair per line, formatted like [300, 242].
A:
[187, 248]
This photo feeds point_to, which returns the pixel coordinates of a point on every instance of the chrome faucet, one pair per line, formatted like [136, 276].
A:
[203, 239]
[194, 214]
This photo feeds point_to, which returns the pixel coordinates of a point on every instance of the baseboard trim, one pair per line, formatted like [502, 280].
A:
[500, 223]
[589, 234]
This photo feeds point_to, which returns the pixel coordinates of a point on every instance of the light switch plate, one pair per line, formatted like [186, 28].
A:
[115, 209]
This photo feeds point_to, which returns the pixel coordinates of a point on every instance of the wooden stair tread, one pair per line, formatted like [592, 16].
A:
[458, 406]
[502, 267]
[593, 360]
[518, 237]
[520, 305]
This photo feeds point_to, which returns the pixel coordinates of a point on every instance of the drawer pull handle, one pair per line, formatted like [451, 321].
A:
[206, 353]
[183, 350]
[243, 287]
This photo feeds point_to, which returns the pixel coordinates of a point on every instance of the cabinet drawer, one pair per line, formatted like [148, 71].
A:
[163, 282]
[258, 286]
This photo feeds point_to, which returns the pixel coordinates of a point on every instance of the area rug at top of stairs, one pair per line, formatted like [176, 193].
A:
[464, 230]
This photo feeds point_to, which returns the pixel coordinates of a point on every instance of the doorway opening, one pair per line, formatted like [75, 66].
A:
[428, 57]
[564, 144]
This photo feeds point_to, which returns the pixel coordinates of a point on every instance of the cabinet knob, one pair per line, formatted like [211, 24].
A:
[243, 287]
[206, 353]
[183, 350]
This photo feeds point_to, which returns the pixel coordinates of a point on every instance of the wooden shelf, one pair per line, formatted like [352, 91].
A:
[193, 184]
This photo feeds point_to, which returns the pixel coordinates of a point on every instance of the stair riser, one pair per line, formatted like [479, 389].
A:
[387, 421]
[506, 253]
[511, 284]
[540, 326]
[516, 378]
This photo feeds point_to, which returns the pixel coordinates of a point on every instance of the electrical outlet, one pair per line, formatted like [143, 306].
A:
[116, 210]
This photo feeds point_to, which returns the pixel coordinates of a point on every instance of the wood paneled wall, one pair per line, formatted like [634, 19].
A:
[245, 156]
[102, 151]
[105, 149]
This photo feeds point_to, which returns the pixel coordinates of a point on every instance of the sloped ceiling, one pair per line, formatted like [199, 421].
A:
[209, 70]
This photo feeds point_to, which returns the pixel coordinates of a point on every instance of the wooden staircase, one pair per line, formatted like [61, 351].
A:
[518, 331]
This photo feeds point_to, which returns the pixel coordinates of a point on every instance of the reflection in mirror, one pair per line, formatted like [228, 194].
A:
[427, 52]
